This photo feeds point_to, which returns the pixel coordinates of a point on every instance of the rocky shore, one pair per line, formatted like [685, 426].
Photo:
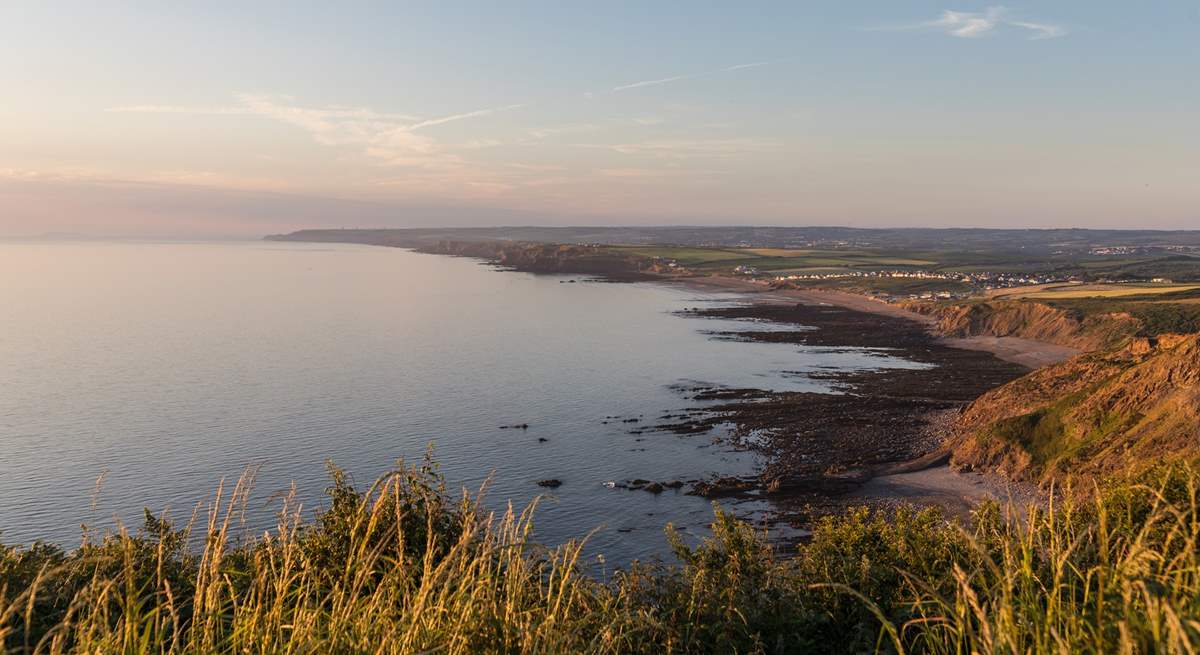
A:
[820, 449]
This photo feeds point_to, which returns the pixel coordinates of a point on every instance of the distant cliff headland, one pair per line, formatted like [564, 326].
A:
[517, 255]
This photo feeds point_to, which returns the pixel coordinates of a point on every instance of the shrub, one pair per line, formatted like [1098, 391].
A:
[400, 568]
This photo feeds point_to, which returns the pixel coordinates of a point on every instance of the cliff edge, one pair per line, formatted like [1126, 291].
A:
[1113, 410]
[1029, 320]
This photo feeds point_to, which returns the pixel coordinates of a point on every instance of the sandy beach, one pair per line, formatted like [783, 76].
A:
[954, 492]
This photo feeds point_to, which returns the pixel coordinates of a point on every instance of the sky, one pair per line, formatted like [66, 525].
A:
[245, 118]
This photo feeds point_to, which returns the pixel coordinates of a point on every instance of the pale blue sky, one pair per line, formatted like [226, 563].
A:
[241, 118]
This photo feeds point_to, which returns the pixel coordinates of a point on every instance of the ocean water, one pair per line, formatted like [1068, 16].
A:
[163, 368]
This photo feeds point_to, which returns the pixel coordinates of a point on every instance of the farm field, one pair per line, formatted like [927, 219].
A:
[685, 256]
[1064, 291]
[777, 259]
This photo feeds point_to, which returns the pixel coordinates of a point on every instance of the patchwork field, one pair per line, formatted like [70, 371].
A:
[1064, 291]
[778, 260]
[685, 256]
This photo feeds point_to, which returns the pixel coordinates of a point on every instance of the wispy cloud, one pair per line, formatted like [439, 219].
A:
[178, 177]
[683, 148]
[690, 76]
[556, 130]
[661, 80]
[976, 24]
[1042, 30]
[19, 174]
[327, 112]
[435, 164]
[390, 138]
[458, 117]
[656, 174]
[540, 168]
[171, 109]
[968, 25]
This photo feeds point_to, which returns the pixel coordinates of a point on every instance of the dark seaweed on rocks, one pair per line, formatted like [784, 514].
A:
[816, 445]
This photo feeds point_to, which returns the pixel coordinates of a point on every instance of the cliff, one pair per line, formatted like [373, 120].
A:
[1030, 320]
[1099, 413]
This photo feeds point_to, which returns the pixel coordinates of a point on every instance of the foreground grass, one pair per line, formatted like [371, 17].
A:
[401, 568]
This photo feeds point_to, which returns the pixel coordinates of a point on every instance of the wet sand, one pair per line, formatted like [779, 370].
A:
[1026, 352]
[954, 492]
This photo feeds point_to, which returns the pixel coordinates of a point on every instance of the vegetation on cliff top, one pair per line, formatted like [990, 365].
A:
[403, 568]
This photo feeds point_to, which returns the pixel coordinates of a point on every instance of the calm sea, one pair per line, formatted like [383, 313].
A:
[168, 367]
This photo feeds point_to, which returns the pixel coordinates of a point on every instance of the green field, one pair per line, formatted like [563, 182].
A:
[1107, 291]
[1093, 269]
[1065, 291]
[685, 256]
[776, 260]
[1184, 269]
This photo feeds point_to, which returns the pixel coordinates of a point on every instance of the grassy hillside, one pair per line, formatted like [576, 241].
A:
[1161, 314]
[1104, 412]
[403, 568]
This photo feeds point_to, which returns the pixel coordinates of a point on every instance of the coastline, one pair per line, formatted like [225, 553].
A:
[879, 442]
[923, 420]
[1026, 352]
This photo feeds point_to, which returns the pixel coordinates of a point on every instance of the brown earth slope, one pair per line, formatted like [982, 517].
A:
[1029, 320]
[1099, 413]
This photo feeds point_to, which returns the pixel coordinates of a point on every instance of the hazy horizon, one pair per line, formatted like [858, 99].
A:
[231, 120]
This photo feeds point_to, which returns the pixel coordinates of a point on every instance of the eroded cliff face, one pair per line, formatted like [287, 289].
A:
[1029, 320]
[1125, 408]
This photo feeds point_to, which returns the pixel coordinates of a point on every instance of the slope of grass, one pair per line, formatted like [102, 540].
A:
[1164, 314]
[403, 568]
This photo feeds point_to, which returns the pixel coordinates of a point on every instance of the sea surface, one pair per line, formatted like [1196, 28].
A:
[161, 369]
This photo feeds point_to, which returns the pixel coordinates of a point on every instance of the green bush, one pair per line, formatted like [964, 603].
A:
[400, 568]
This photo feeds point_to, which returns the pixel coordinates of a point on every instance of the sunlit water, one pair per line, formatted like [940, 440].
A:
[168, 367]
